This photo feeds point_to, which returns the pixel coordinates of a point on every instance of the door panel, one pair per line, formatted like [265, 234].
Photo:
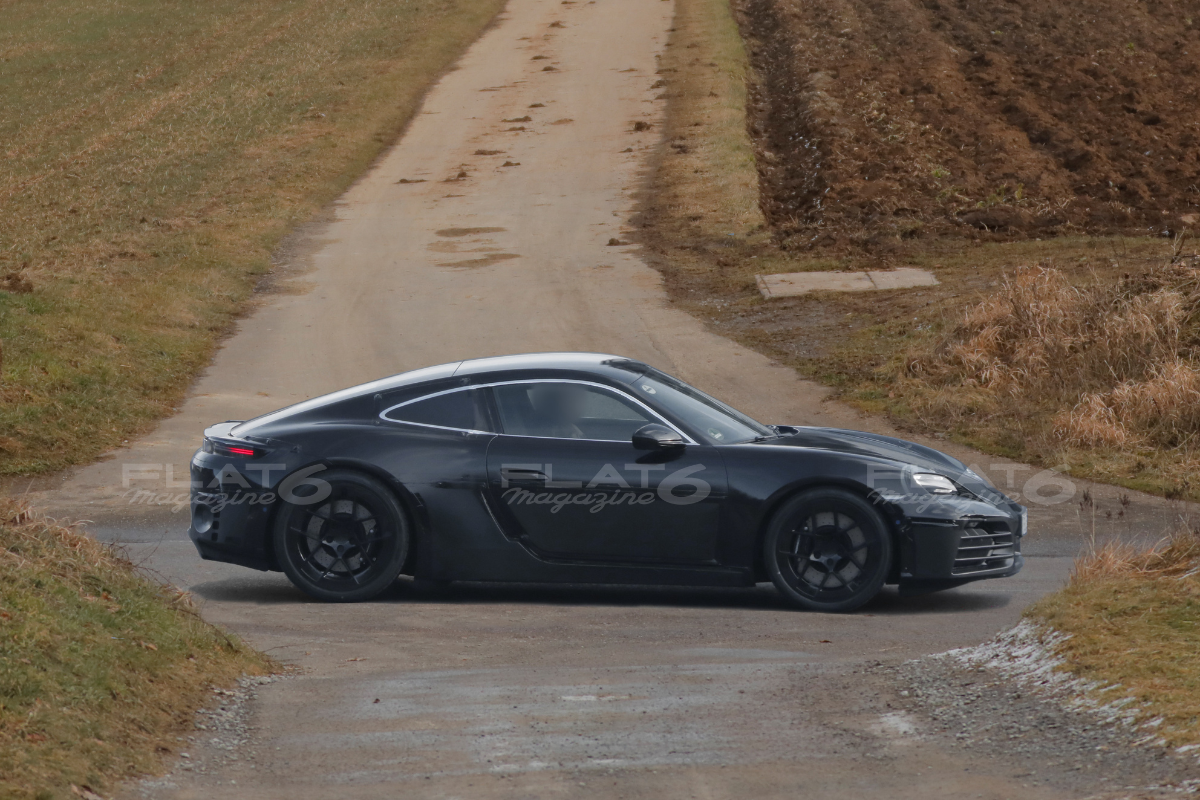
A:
[604, 501]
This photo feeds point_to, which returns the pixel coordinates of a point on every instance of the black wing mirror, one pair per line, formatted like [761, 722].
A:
[656, 437]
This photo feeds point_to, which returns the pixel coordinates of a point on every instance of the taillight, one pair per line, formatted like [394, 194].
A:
[230, 450]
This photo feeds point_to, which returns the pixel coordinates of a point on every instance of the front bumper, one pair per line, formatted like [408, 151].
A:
[940, 554]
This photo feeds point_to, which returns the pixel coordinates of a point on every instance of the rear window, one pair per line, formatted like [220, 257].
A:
[461, 410]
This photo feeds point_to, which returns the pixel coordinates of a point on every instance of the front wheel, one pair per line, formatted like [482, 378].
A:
[827, 550]
[346, 545]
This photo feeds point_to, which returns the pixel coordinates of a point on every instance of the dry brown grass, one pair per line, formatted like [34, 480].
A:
[1116, 354]
[1176, 557]
[1161, 409]
[100, 667]
[1040, 332]
[1133, 616]
[1098, 366]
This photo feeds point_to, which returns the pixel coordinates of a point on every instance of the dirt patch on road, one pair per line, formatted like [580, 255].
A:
[878, 121]
[483, 261]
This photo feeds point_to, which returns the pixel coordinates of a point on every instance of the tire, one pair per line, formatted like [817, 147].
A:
[347, 547]
[827, 550]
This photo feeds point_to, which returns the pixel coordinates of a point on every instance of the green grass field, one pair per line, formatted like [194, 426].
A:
[154, 152]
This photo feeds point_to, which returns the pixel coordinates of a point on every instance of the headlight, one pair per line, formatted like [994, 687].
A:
[937, 484]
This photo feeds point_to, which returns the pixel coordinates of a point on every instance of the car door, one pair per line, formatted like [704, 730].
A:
[566, 481]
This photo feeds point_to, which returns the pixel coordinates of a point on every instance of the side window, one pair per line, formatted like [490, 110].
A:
[462, 410]
[567, 411]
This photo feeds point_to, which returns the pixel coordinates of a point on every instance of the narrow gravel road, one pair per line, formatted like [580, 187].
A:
[488, 230]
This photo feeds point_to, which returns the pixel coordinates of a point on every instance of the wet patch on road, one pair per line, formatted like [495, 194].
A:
[485, 261]
[467, 231]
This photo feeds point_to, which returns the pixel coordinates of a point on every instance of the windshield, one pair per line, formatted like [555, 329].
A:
[709, 417]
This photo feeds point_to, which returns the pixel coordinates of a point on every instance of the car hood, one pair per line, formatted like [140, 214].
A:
[874, 445]
[886, 447]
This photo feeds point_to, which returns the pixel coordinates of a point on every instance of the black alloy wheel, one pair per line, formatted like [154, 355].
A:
[828, 550]
[346, 546]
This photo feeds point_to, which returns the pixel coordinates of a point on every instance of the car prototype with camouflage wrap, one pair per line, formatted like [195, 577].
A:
[580, 468]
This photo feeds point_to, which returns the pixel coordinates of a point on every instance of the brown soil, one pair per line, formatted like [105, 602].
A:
[878, 121]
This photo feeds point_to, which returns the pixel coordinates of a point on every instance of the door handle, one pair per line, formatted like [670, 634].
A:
[523, 477]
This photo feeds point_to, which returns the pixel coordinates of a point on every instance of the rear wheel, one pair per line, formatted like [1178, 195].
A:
[346, 546]
[827, 550]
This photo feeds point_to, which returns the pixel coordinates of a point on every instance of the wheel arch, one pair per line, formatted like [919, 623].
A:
[409, 503]
[891, 514]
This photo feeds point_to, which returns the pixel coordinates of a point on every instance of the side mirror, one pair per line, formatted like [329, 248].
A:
[656, 437]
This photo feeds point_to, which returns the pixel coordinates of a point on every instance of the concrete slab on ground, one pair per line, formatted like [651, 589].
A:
[791, 284]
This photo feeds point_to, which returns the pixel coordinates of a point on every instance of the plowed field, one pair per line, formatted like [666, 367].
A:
[878, 121]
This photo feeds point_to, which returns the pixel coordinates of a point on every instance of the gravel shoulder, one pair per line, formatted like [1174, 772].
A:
[223, 737]
[1036, 723]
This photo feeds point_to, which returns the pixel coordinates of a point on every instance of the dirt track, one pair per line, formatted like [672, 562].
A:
[442, 252]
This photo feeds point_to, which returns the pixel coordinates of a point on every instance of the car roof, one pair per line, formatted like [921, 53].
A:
[610, 366]
[528, 365]
[415, 376]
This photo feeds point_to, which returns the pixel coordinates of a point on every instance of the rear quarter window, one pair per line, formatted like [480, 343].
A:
[461, 410]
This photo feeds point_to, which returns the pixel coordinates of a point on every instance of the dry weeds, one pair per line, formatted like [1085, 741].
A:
[1112, 362]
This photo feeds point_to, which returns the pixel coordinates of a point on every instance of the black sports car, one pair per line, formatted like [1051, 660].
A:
[585, 468]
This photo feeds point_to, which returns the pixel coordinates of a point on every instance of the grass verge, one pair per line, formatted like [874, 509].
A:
[154, 154]
[1133, 620]
[100, 667]
[706, 183]
[703, 230]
